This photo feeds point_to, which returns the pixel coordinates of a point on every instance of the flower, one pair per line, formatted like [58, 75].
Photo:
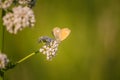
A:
[3, 60]
[19, 18]
[6, 4]
[50, 49]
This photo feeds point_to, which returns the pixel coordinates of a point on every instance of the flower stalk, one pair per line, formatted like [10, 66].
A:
[2, 42]
[2, 32]
[28, 56]
[2, 76]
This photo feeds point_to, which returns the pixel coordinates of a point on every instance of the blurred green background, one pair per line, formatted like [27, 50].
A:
[91, 52]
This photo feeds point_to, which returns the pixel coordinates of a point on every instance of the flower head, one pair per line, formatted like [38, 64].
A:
[3, 60]
[6, 4]
[19, 18]
[50, 48]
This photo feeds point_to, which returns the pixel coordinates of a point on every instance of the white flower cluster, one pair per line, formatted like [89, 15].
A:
[50, 49]
[19, 18]
[24, 1]
[5, 4]
[3, 60]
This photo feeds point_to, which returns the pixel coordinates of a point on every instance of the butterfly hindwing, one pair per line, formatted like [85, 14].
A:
[64, 33]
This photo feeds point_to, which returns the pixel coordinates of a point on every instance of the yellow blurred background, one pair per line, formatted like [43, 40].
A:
[91, 52]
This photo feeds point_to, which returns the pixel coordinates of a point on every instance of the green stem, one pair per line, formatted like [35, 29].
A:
[2, 33]
[28, 56]
[11, 65]
[2, 76]
[2, 41]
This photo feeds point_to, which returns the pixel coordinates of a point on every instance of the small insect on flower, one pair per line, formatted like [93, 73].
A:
[32, 3]
[45, 39]
[51, 45]
[61, 34]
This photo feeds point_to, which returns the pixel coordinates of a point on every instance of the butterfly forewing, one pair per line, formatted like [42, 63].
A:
[56, 33]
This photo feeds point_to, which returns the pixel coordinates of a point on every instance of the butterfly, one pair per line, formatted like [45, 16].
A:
[61, 34]
[51, 45]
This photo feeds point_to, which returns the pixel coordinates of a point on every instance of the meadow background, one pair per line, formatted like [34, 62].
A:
[91, 52]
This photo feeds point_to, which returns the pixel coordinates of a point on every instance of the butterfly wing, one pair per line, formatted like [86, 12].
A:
[56, 33]
[61, 34]
[64, 33]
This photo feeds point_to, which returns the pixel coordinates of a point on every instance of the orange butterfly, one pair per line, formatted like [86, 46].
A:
[61, 34]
